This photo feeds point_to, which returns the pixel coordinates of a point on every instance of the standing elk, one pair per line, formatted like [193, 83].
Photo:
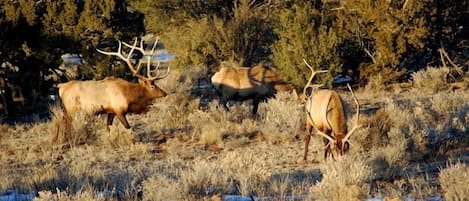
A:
[325, 113]
[113, 96]
[242, 83]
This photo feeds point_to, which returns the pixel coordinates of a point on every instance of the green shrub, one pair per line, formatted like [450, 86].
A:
[244, 38]
[303, 34]
[386, 32]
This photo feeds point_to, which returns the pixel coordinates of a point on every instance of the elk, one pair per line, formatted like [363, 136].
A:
[242, 83]
[325, 113]
[114, 96]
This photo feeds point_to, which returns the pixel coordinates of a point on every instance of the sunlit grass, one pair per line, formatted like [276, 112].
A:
[178, 151]
[454, 181]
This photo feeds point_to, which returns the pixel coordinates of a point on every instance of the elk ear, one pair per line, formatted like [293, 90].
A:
[144, 82]
[294, 95]
[141, 81]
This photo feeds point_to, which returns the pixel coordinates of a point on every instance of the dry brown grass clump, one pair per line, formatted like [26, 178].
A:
[282, 118]
[83, 195]
[454, 181]
[347, 178]
[430, 80]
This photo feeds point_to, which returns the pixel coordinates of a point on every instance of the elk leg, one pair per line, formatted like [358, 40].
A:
[328, 149]
[307, 138]
[225, 105]
[123, 120]
[57, 127]
[110, 119]
[255, 106]
[224, 101]
[56, 131]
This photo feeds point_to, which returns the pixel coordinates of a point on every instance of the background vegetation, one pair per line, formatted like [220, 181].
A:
[374, 42]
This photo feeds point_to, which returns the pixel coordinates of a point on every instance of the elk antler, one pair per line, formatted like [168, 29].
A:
[356, 126]
[313, 73]
[146, 55]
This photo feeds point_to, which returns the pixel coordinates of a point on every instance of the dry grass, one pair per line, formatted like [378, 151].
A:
[430, 80]
[348, 177]
[455, 181]
[178, 151]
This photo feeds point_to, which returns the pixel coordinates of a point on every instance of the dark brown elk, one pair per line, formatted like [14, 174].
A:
[325, 113]
[243, 83]
[113, 96]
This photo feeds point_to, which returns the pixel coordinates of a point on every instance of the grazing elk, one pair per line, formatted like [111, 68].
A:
[242, 83]
[113, 96]
[325, 113]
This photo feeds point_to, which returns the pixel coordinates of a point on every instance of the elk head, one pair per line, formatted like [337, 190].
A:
[152, 73]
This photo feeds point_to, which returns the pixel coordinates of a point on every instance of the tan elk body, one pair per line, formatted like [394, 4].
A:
[112, 96]
[242, 83]
[325, 113]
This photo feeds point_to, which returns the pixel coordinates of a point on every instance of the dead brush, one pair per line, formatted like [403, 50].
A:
[347, 177]
[454, 181]
[282, 118]
[379, 126]
[84, 127]
[430, 80]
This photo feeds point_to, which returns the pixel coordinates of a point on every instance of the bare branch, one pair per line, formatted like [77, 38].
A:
[370, 55]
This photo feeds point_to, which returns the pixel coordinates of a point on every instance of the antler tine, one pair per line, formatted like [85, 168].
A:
[357, 113]
[158, 75]
[154, 44]
[313, 73]
[127, 58]
[331, 140]
[141, 49]
[147, 55]
[156, 69]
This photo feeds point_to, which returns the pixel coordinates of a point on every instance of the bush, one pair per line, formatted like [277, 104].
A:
[245, 38]
[387, 32]
[282, 119]
[345, 178]
[454, 181]
[430, 80]
[303, 34]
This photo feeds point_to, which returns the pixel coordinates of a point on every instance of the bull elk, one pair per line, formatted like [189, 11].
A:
[114, 96]
[325, 113]
[242, 83]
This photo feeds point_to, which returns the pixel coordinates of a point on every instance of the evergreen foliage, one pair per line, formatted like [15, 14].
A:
[240, 31]
[34, 34]
[388, 32]
[304, 33]
[377, 42]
